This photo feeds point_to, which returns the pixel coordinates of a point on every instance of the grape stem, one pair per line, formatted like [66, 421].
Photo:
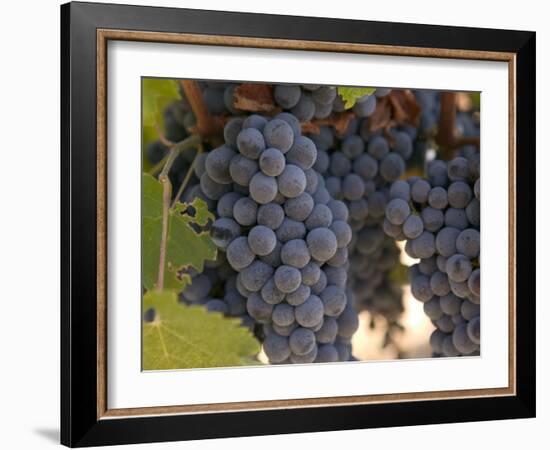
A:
[446, 137]
[207, 124]
[191, 141]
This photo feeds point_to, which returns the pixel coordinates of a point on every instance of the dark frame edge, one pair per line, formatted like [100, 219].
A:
[79, 424]
[525, 224]
[65, 335]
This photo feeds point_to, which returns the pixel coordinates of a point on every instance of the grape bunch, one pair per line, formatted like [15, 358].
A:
[439, 217]
[359, 167]
[281, 237]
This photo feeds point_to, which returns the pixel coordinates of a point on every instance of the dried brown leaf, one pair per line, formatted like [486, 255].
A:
[254, 97]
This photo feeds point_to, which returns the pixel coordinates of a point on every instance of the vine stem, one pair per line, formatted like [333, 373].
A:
[446, 137]
[188, 175]
[194, 97]
[164, 179]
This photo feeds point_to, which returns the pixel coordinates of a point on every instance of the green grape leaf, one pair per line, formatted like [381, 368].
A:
[187, 245]
[350, 95]
[186, 337]
[476, 99]
[156, 94]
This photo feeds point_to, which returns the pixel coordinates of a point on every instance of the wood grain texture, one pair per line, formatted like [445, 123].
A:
[104, 35]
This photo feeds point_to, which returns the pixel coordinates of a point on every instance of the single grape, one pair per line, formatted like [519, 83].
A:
[271, 294]
[397, 211]
[302, 341]
[437, 173]
[287, 279]
[272, 162]
[198, 289]
[402, 144]
[295, 253]
[353, 187]
[378, 147]
[300, 207]
[420, 190]
[474, 282]
[238, 253]
[420, 288]
[439, 284]
[263, 188]
[348, 322]
[304, 359]
[340, 165]
[251, 143]
[432, 218]
[334, 300]
[299, 296]
[413, 227]
[437, 198]
[290, 229]
[449, 350]
[436, 341]
[242, 169]
[468, 242]
[287, 95]
[459, 268]
[400, 189]
[283, 315]
[328, 331]
[270, 215]
[310, 313]
[322, 243]
[433, 309]
[311, 273]
[255, 121]
[217, 164]
[258, 309]
[212, 189]
[459, 194]
[457, 169]
[450, 304]
[276, 348]
[304, 110]
[327, 353]
[473, 213]
[261, 240]
[445, 241]
[245, 210]
[365, 166]
[392, 167]
[342, 231]
[256, 275]
[461, 340]
[303, 153]
[292, 181]
[279, 134]
[320, 216]
[474, 330]
[226, 204]
[456, 218]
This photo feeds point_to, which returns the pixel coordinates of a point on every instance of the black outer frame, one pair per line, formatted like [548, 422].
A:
[79, 423]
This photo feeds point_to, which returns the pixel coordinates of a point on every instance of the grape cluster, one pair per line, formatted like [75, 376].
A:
[439, 217]
[308, 102]
[280, 236]
[358, 168]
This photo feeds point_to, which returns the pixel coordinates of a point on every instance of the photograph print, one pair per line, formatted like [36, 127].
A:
[299, 224]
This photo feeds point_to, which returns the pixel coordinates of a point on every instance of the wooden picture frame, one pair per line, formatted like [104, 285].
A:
[85, 416]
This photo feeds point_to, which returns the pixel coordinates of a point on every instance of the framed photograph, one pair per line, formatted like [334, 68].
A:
[275, 224]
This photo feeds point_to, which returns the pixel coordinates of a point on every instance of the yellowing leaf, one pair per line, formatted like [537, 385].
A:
[187, 245]
[156, 94]
[185, 337]
[350, 95]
